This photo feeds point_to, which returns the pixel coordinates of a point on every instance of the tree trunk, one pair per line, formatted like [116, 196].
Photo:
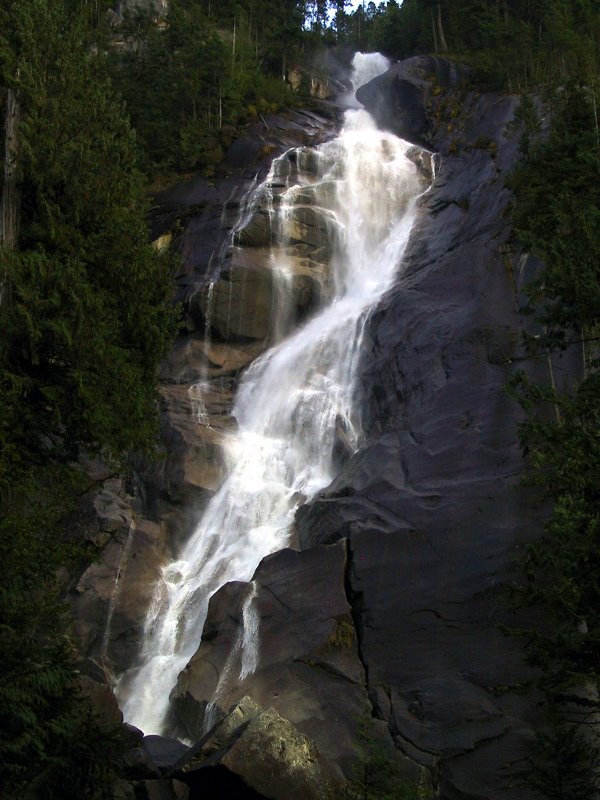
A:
[9, 201]
[443, 47]
[436, 48]
[233, 44]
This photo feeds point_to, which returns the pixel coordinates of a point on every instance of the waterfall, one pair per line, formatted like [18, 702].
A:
[289, 403]
[365, 67]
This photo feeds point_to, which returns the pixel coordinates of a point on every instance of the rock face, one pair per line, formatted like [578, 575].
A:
[393, 606]
[266, 753]
[403, 99]
[431, 504]
[229, 288]
[307, 662]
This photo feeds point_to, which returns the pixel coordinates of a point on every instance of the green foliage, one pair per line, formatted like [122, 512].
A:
[87, 318]
[565, 764]
[190, 80]
[90, 316]
[378, 775]
[556, 214]
[47, 728]
[560, 570]
[509, 43]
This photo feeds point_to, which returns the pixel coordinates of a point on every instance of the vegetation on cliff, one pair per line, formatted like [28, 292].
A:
[511, 43]
[85, 316]
[194, 77]
[556, 217]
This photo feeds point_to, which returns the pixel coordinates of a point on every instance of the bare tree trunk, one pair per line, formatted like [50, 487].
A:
[553, 383]
[433, 28]
[233, 45]
[443, 47]
[596, 123]
[220, 107]
[9, 201]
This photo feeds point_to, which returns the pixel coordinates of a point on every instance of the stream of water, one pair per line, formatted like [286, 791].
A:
[289, 403]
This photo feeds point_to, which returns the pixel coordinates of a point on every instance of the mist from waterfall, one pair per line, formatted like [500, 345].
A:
[365, 67]
[290, 404]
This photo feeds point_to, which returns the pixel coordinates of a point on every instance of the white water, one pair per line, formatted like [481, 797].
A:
[365, 67]
[288, 406]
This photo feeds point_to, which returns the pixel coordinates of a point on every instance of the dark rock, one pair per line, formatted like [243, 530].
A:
[95, 686]
[238, 306]
[110, 599]
[163, 790]
[265, 752]
[164, 752]
[308, 667]
[196, 359]
[432, 503]
[399, 98]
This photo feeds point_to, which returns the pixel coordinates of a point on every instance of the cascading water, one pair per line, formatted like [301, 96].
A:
[289, 404]
[365, 67]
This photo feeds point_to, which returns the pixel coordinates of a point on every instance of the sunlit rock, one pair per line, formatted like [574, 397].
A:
[266, 751]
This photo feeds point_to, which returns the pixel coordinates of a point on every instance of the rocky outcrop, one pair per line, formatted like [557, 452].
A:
[254, 752]
[319, 87]
[230, 288]
[405, 99]
[394, 605]
[307, 665]
[431, 505]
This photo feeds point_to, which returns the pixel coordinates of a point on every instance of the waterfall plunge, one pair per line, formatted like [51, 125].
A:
[288, 406]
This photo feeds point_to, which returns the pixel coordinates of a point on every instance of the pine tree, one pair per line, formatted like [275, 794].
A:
[87, 319]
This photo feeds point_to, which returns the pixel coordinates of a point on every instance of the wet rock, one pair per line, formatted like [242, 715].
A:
[312, 226]
[196, 417]
[110, 599]
[264, 292]
[194, 359]
[94, 684]
[257, 232]
[307, 667]
[431, 503]
[265, 752]
[400, 98]
[239, 305]
[165, 753]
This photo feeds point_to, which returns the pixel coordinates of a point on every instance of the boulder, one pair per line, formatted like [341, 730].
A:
[307, 667]
[264, 752]
[196, 359]
[239, 305]
[164, 752]
[400, 100]
[263, 292]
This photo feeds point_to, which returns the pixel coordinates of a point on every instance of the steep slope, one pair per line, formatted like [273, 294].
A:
[431, 505]
[402, 620]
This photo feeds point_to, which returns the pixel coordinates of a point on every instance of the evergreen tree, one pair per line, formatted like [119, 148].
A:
[84, 320]
[556, 210]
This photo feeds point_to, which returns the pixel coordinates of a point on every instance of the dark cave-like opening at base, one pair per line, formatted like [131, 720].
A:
[216, 783]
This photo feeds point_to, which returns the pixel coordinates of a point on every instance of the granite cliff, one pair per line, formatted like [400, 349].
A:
[392, 603]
